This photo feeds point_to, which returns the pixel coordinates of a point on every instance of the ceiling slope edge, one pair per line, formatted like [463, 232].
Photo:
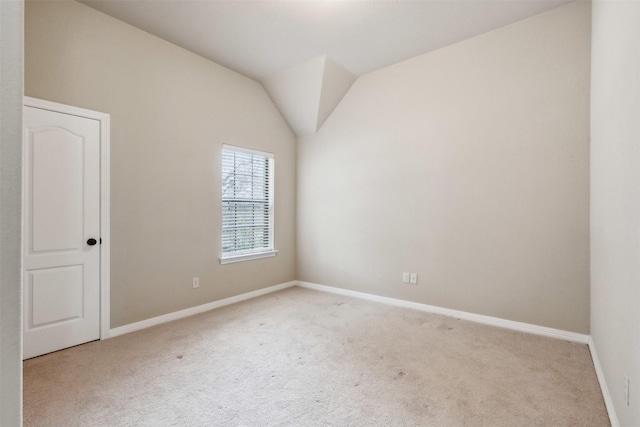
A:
[307, 94]
[336, 83]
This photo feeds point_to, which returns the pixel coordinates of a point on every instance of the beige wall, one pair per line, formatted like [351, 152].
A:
[615, 200]
[11, 47]
[171, 111]
[469, 166]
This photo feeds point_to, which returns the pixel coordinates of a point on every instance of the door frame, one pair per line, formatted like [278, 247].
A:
[105, 198]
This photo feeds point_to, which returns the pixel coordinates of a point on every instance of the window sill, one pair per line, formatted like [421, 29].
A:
[248, 257]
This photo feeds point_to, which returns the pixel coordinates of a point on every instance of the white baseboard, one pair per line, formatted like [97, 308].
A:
[132, 327]
[478, 318]
[613, 418]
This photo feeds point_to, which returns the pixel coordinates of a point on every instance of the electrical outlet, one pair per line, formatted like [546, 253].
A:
[414, 279]
[405, 277]
[196, 282]
[626, 389]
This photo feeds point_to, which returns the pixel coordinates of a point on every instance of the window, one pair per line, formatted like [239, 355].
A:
[247, 204]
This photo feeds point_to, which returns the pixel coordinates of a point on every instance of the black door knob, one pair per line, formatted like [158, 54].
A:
[91, 242]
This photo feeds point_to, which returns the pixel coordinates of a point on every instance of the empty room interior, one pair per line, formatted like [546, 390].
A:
[320, 213]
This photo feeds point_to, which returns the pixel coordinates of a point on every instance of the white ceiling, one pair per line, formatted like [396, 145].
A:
[264, 37]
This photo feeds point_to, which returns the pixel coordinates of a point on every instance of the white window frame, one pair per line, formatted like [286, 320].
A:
[270, 251]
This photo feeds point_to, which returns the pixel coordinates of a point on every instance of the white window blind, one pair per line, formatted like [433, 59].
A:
[247, 202]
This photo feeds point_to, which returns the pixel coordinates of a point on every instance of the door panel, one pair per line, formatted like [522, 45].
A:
[57, 199]
[61, 276]
[56, 295]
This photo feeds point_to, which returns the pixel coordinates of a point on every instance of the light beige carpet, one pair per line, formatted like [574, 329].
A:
[305, 358]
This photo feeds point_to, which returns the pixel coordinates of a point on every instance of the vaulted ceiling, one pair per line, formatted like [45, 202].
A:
[271, 40]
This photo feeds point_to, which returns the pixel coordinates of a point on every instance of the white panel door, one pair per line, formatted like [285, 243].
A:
[61, 241]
